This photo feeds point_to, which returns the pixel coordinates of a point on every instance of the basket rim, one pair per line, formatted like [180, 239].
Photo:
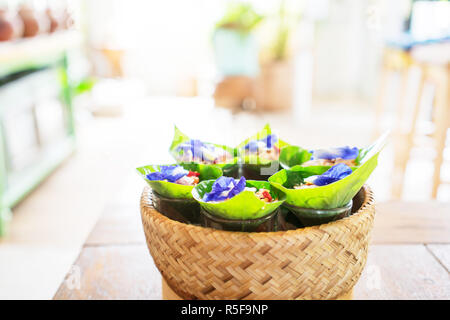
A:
[147, 209]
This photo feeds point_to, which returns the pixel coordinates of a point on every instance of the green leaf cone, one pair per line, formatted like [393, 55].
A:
[180, 137]
[178, 191]
[293, 155]
[331, 196]
[245, 205]
[257, 165]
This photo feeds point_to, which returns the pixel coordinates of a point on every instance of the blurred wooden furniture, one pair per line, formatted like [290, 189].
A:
[277, 85]
[431, 63]
[237, 93]
[36, 120]
[114, 58]
[435, 60]
[396, 61]
[272, 90]
[408, 257]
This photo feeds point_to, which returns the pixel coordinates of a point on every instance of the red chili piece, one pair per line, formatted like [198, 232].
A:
[267, 195]
[193, 174]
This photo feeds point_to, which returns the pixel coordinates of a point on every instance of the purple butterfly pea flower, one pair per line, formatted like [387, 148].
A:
[169, 173]
[225, 188]
[270, 140]
[346, 153]
[267, 142]
[335, 173]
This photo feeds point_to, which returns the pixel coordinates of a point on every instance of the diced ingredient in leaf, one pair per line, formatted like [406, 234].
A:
[333, 156]
[326, 162]
[225, 188]
[333, 174]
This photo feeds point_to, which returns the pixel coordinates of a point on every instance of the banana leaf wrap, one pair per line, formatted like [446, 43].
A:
[245, 205]
[293, 155]
[257, 167]
[178, 191]
[229, 168]
[334, 195]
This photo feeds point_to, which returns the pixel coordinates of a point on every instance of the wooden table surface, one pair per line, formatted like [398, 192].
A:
[409, 256]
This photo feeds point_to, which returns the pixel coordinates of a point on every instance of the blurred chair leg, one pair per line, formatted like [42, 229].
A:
[401, 155]
[5, 221]
[380, 101]
[442, 122]
[416, 110]
[401, 159]
[402, 99]
[405, 138]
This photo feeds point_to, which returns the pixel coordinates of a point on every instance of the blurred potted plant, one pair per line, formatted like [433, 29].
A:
[277, 69]
[35, 20]
[235, 47]
[11, 25]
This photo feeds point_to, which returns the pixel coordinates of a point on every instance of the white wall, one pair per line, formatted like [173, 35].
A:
[169, 41]
[348, 45]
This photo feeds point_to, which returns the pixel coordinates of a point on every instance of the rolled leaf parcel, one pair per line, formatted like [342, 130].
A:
[175, 174]
[332, 156]
[335, 173]
[224, 188]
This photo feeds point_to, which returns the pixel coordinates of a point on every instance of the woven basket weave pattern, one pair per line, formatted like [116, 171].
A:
[320, 262]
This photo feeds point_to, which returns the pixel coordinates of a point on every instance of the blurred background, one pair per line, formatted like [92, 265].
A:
[90, 90]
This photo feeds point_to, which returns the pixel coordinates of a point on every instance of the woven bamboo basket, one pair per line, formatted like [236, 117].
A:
[319, 262]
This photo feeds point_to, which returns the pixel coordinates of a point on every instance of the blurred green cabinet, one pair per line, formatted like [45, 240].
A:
[36, 118]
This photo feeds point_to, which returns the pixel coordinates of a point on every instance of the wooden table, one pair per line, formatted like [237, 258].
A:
[409, 257]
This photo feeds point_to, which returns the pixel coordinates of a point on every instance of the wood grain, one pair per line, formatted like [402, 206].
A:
[128, 272]
[321, 262]
[395, 222]
[113, 272]
[402, 272]
[407, 222]
[119, 224]
[115, 263]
